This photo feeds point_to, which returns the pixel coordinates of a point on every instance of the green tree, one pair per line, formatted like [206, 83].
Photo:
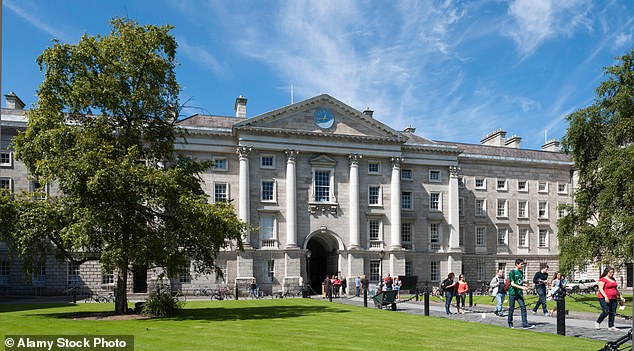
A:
[599, 226]
[103, 131]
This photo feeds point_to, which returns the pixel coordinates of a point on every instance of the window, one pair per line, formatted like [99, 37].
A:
[270, 271]
[6, 160]
[220, 278]
[221, 193]
[73, 273]
[268, 191]
[562, 188]
[522, 185]
[267, 161]
[374, 270]
[409, 268]
[434, 202]
[107, 277]
[5, 269]
[39, 275]
[481, 274]
[522, 237]
[406, 174]
[543, 238]
[543, 209]
[5, 185]
[434, 176]
[501, 185]
[480, 184]
[184, 274]
[522, 209]
[480, 236]
[375, 233]
[434, 271]
[406, 200]
[406, 233]
[268, 231]
[434, 233]
[322, 185]
[502, 208]
[374, 195]
[502, 236]
[480, 207]
[461, 206]
[542, 187]
[39, 192]
[374, 167]
[220, 163]
[561, 211]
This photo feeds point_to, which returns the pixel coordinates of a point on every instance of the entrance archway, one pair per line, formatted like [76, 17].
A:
[323, 260]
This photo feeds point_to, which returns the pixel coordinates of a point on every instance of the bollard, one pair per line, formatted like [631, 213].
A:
[365, 297]
[561, 316]
[74, 295]
[470, 299]
[416, 294]
[426, 296]
[236, 291]
[329, 293]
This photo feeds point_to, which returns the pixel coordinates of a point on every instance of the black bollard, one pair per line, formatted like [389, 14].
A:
[236, 291]
[365, 297]
[416, 294]
[561, 316]
[426, 296]
[74, 295]
[470, 299]
[330, 293]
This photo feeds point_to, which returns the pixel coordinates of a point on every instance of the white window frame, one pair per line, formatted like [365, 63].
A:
[432, 202]
[375, 243]
[331, 185]
[545, 237]
[435, 233]
[268, 242]
[542, 187]
[378, 167]
[379, 202]
[481, 273]
[73, 273]
[221, 169]
[483, 234]
[543, 215]
[272, 165]
[561, 212]
[503, 211]
[481, 211]
[10, 154]
[523, 231]
[434, 271]
[505, 236]
[185, 273]
[228, 197]
[504, 186]
[519, 208]
[435, 176]
[565, 188]
[525, 188]
[411, 174]
[375, 270]
[10, 183]
[107, 278]
[481, 187]
[411, 233]
[269, 268]
[33, 189]
[411, 200]
[274, 199]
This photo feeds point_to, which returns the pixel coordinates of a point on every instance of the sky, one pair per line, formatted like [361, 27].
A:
[454, 70]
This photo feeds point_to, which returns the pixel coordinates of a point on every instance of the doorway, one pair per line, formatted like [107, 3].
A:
[324, 260]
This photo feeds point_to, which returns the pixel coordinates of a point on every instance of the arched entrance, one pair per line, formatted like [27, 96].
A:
[323, 259]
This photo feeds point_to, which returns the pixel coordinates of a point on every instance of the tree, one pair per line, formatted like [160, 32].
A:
[599, 226]
[103, 130]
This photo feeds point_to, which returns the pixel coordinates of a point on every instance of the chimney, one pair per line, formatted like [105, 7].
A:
[409, 129]
[241, 107]
[513, 142]
[551, 146]
[368, 112]
[495, 138]
[14, 102]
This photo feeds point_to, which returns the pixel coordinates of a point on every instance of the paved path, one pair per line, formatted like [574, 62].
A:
[577, 325]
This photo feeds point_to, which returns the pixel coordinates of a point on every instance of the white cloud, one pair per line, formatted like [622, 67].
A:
[37, 22]
[623, 40]
[200, 55]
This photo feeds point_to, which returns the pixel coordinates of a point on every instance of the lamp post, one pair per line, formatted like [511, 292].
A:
[310, 281]
[381, 256]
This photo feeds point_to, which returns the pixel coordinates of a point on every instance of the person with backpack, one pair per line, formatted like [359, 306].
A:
[540, 280]
[498, 291]
[447, 287]
[516, 293]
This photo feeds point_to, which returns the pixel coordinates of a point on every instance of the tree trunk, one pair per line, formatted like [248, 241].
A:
[121, 291]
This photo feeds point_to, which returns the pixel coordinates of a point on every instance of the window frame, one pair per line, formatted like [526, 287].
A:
[544, 189]
[545, 238]
[273, 190]
[565, 189]
[409, 225]
[8, 153]
[504, 186]
[434, 179]
[525, 188]
[523, 231]
[378, 167]
[545, 214]
[410, 202]
[480, 211]
[483, 186]
[379, 200]
[502, 212]
[266, 156]
[272, 241]
[482, 236]
[435, 233]
[227, 197]
[10, 184]
[434, 271]
[378, 242]
[221, 169]
[411, 174]
[331, 184]
[519, 208]
[505, 236]
[437, 202]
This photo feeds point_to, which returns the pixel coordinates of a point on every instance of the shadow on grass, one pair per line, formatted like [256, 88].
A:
[6, 307]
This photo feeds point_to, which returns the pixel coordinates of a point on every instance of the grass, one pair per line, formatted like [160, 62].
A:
[280, 324]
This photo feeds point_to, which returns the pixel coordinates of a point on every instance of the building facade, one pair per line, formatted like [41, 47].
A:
[331, 190]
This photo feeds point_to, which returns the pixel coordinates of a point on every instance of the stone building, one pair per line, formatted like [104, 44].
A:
[331, 190]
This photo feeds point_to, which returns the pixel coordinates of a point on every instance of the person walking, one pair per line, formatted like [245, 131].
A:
[608, 295]
[344, 286]
[357, 286]
[396, 285]
[540, 280]
[447, 286]
[461, 292]
[516, 294]
[498, 292]
[554, 293]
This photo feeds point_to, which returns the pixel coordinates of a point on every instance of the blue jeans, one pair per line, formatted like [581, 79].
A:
[609, 310]
[448, 298]
[541, 292]
[520, 301]
[358, 291]
[499, 299]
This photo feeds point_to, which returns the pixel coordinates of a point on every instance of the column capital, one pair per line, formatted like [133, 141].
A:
[454, 171]
[396, 161]
[354, 158]
[291, 155]
[243, 151]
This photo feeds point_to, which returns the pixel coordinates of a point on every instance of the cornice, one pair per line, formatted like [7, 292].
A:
[280, 131]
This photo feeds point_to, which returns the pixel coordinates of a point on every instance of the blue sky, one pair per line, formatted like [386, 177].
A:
[455, 70]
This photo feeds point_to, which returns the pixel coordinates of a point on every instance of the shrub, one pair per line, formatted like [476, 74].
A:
[162, 304]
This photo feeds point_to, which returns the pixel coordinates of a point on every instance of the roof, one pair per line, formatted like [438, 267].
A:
[488, 151]
[209, 121]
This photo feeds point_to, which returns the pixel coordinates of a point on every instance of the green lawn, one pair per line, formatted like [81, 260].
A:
[281, 324]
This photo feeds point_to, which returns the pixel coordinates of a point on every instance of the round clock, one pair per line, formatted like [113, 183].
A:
[324, 119]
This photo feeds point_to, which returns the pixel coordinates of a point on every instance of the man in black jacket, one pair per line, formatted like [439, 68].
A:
[541, 280]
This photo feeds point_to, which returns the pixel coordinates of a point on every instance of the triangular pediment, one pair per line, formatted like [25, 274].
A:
[313, 117]
[323, 161]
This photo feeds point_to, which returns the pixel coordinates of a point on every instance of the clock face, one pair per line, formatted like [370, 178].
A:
[324, 119]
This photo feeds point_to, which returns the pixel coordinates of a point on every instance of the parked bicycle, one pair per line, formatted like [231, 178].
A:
[223, 293]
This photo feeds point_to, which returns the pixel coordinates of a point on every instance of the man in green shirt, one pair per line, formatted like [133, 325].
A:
[516, 293]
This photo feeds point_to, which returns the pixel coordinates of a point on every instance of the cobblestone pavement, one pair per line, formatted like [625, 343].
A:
[577, 325]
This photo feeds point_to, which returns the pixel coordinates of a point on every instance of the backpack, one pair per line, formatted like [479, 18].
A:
[506, 286]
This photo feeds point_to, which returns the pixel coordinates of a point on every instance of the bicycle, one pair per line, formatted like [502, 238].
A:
[223, 293]
[175, 293]
[203, 292]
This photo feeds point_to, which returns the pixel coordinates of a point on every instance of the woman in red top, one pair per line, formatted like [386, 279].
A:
[463, 287]
[608, 294]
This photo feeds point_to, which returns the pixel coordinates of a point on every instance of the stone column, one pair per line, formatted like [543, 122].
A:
[453, 217]
[243, 188]
[395, 204]
[354, 201]
[291, 199]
